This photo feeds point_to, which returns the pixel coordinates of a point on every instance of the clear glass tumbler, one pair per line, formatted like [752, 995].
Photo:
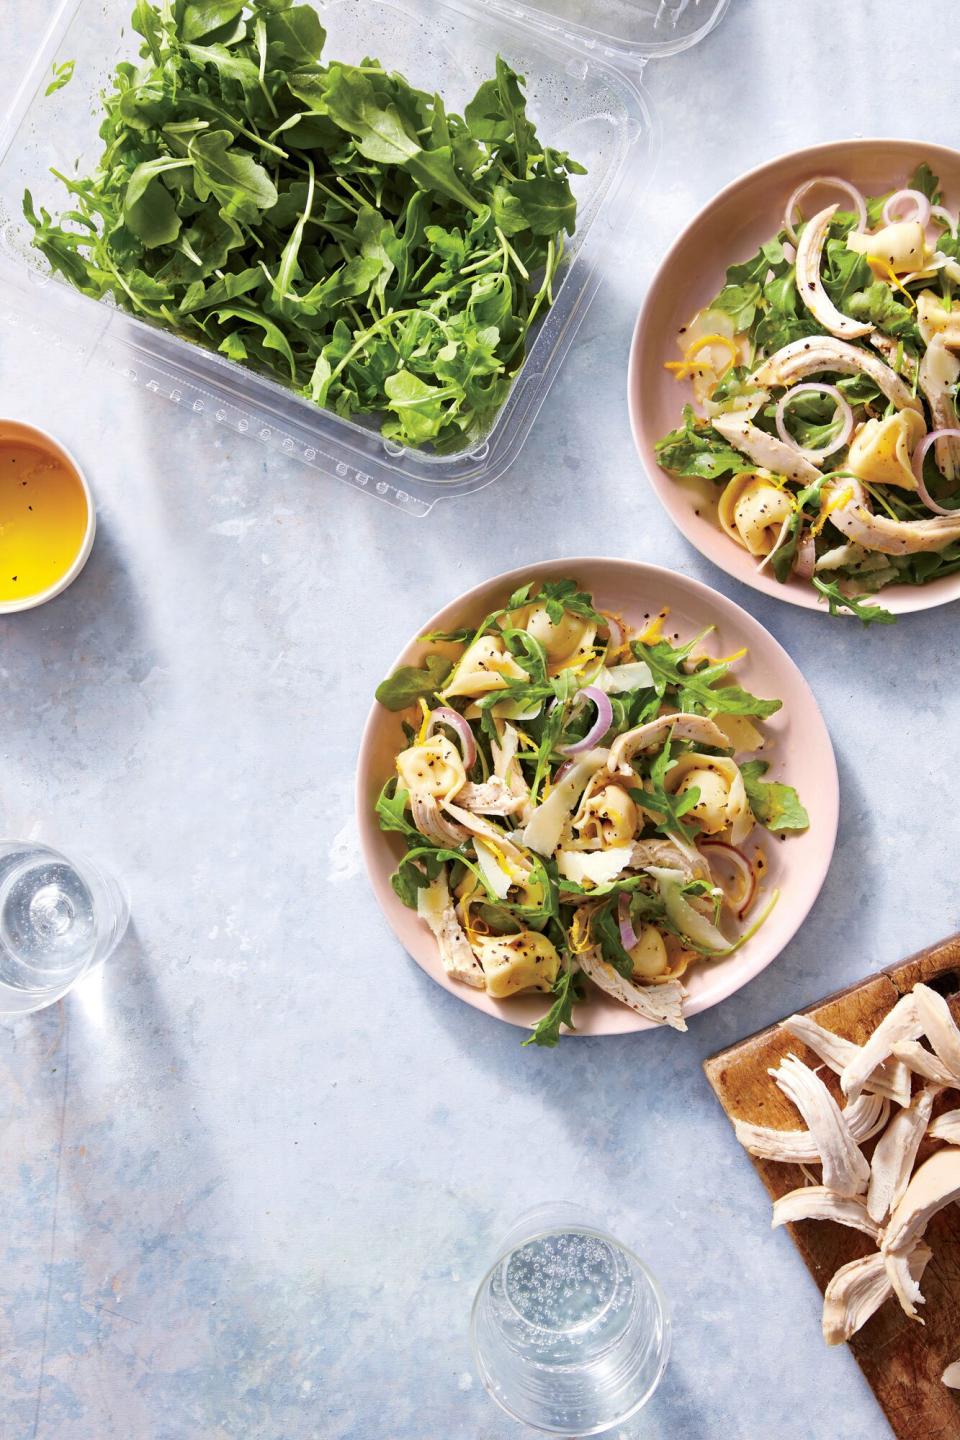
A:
[570, 1331]
[59, 918]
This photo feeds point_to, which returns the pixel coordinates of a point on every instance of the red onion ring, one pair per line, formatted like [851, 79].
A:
[628, 936]
[562, 771]
[445, 716]
[919, 455]
[846, 429]
[743, 867]
[599, 727]
[806, 559]
[921, 207]
[940, 212]
[849, 190]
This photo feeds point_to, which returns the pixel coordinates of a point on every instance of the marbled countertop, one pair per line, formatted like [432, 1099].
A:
[252, 1175]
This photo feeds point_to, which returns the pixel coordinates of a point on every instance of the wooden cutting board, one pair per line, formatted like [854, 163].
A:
[902, 1360]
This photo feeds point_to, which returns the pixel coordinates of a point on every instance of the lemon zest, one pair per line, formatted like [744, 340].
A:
[422, 732]
[651, 634]
[892, 276]
[836, 501]
[686, 367]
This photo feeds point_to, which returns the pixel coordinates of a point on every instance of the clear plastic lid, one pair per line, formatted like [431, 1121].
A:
[626, 30]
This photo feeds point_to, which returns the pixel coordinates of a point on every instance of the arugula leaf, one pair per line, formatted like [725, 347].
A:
[406, 685]
[696, 692]
[924, 180]
[879, 304]
[557, 596]
[396, 256]
[695, 448]
[62, 75]
[775, 805]
[867, 614]
[568, 988]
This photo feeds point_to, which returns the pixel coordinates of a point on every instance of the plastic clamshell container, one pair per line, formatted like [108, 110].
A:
[582, 60]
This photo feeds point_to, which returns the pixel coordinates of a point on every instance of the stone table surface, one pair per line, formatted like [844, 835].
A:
[252, 1173]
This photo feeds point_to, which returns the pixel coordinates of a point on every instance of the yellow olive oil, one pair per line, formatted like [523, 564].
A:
[43, 519]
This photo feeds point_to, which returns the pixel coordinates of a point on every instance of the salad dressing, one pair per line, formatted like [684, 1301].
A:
[43, 518]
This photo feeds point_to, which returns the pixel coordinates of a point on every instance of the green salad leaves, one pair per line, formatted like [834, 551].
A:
[327, 224]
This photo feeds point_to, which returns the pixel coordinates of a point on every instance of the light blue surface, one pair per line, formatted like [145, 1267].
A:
[252, 1177]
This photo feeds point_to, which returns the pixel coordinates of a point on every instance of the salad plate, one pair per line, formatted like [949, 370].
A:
[653, 615]
[807, 510]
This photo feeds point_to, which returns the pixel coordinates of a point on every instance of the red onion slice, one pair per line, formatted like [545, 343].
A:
[806, 560]
[600, 726]
[851, 191]
[839, 440]
[743, 868]
[628, 936]
[940, 212]
[921, 207]
[919, 455]
[445, 716]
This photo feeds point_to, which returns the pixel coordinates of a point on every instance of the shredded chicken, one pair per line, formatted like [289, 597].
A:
[431, 821]
[816, 1202]
[900, 1024]
[765, 449]
[896, 357]
[858, 1290]
[814, 353]
[895, 1155]
[938, 376]
[938, 1024]
[663, 1004]
[923, 1063]
[845, 1168]
[436, 908]
[864, 1117]
[671, 855]
[891, 1079]
[847, 508]
[493, 797]
[905, 1285]
[810, 286]
[934, 1185]
[946, 1127]
[682, 726]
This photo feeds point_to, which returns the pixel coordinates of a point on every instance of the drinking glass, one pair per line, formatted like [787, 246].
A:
[569, 1329]
[58, 919]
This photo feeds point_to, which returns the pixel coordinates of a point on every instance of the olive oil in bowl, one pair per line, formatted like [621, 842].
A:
[46, 517]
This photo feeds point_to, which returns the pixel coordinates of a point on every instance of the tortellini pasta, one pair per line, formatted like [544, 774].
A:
[607, 817]
[722, 803]
[902, 245]
[934, 319]
[881, 450]
[752, 510]
[525, 961]
[649, 955]
[566, 640]
[434, 768]
[486, 665]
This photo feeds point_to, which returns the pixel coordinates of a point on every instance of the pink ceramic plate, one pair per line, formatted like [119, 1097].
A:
[729, 230]
[799, 752]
